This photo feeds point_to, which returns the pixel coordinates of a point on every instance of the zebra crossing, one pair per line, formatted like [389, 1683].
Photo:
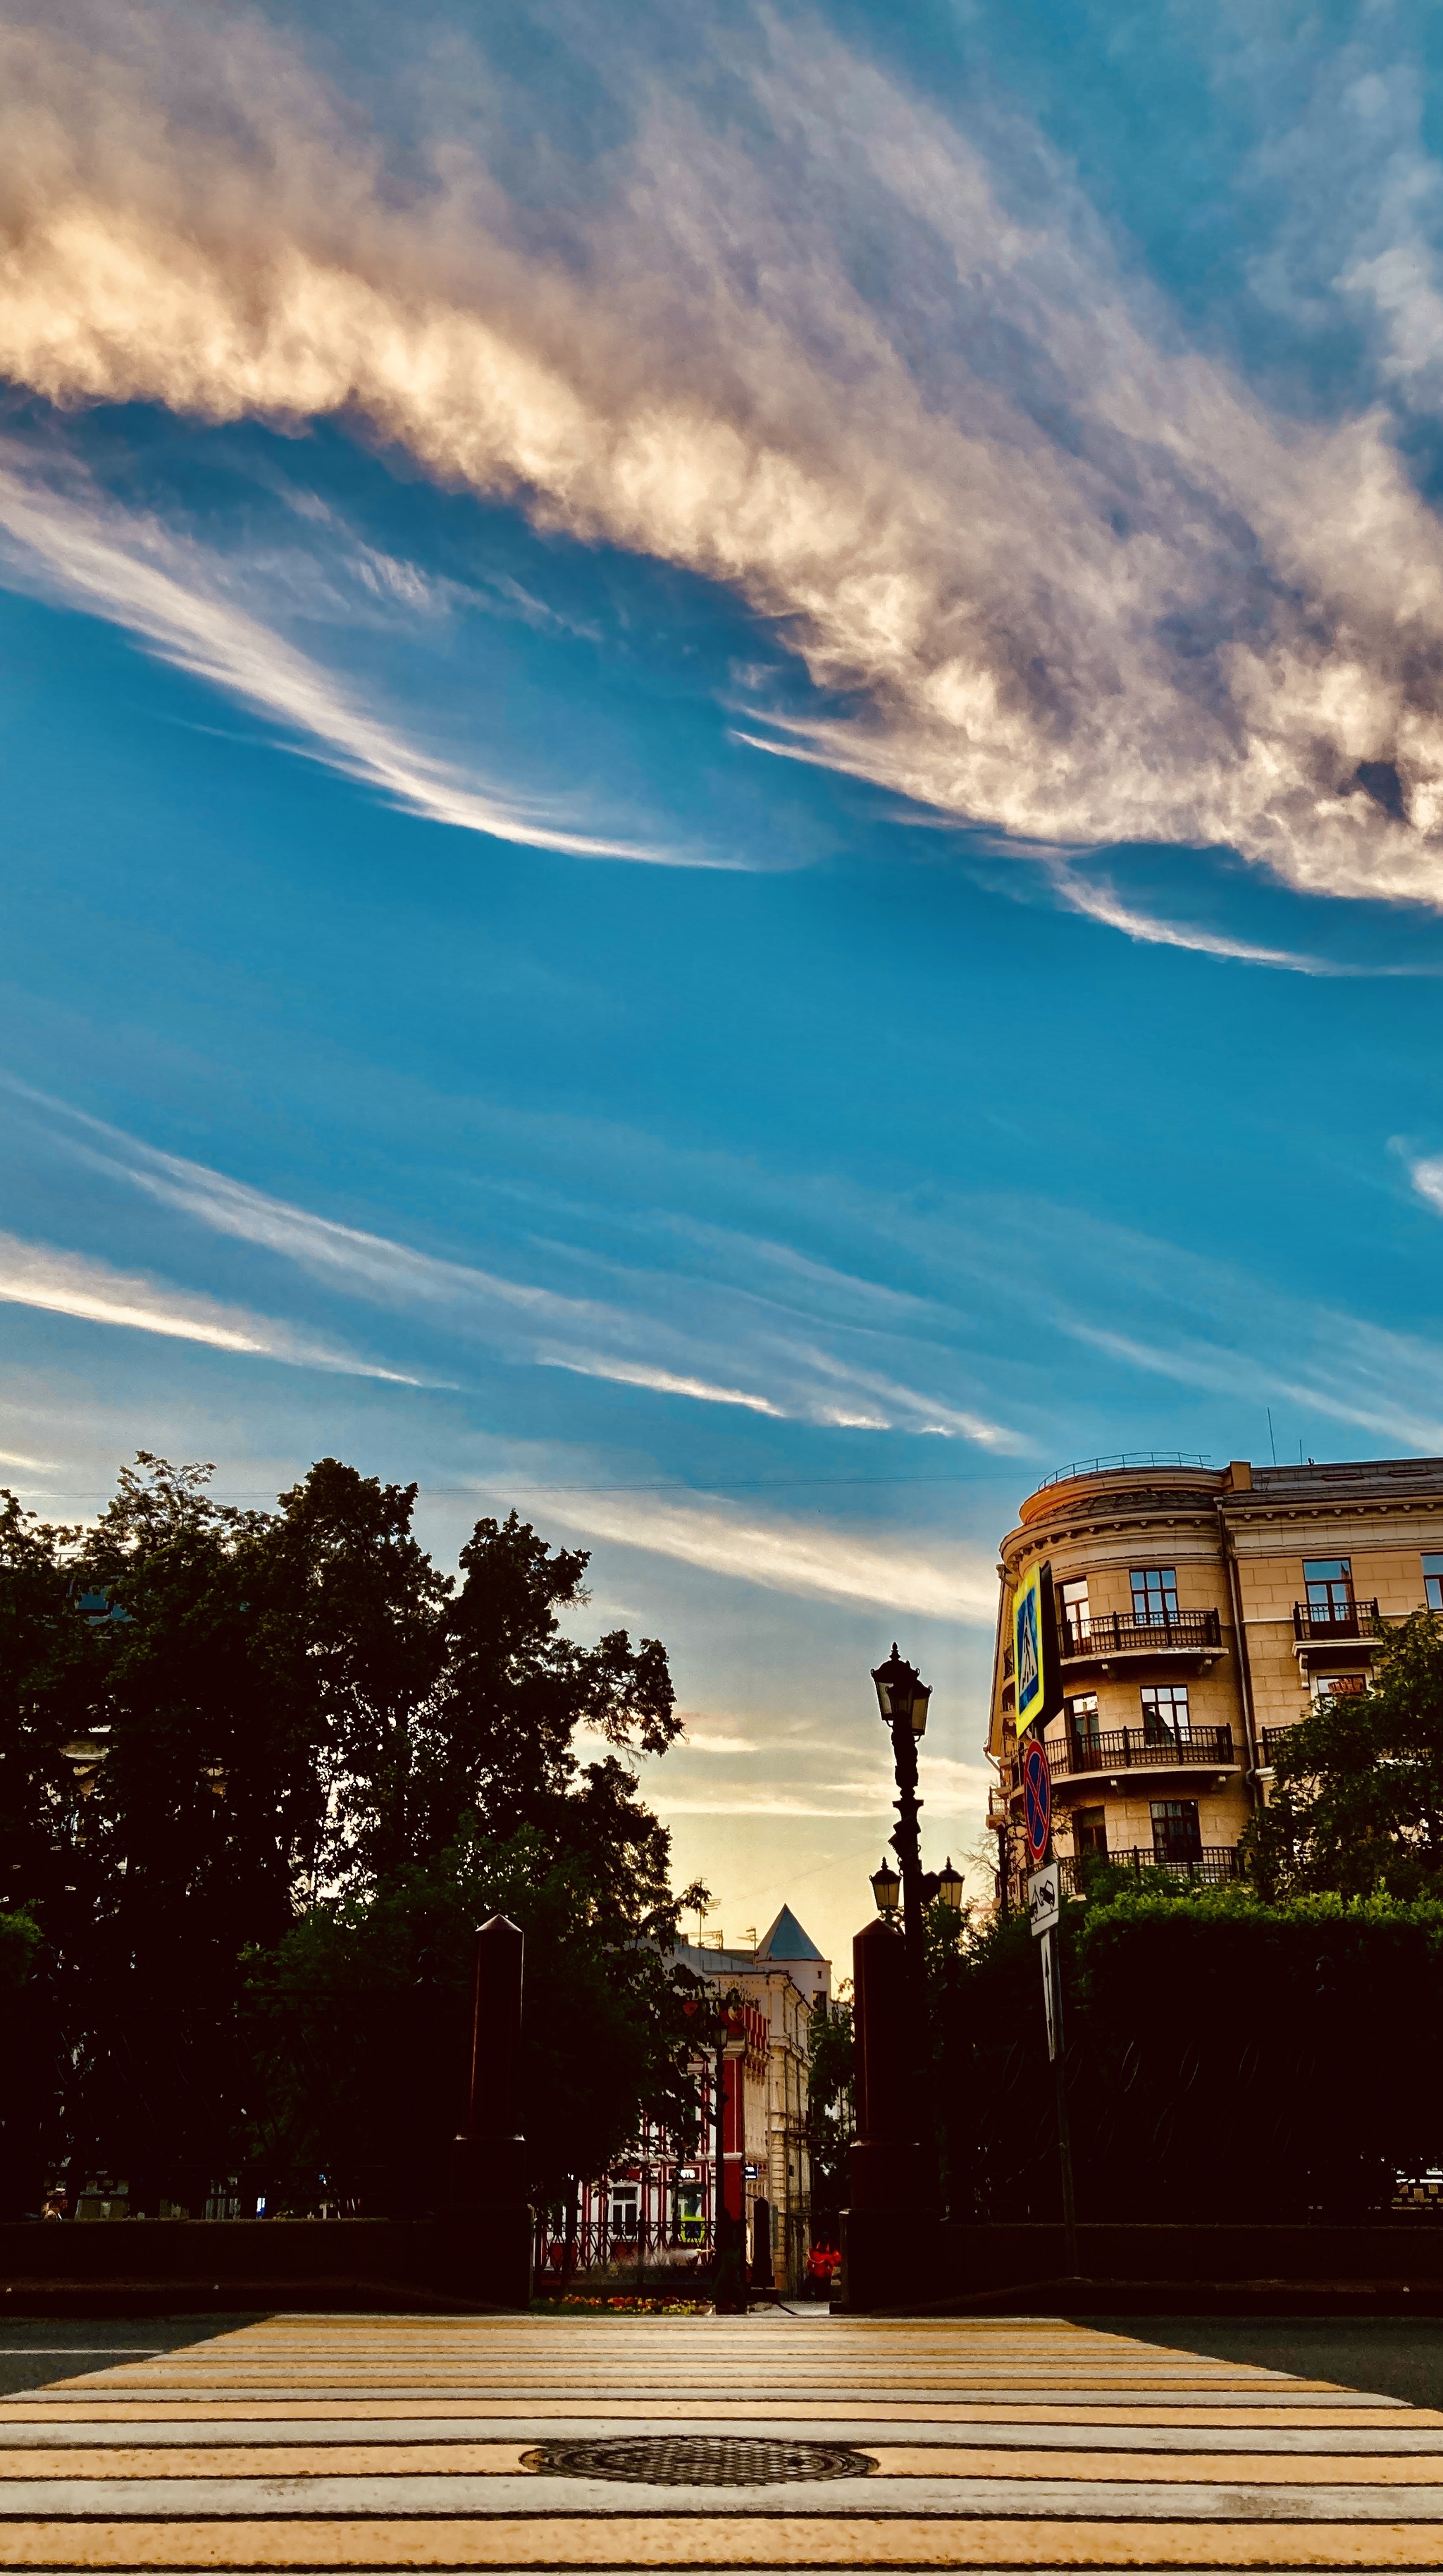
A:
[759, 2443]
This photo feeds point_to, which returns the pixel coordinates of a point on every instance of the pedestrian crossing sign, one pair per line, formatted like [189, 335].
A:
[1034, 1650]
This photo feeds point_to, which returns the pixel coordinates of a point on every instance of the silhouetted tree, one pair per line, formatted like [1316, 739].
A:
[295, 1723]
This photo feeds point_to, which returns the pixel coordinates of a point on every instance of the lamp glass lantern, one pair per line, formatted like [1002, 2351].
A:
[85, 1755]
[950, 1886]
[902, 1693]
[887, 1889]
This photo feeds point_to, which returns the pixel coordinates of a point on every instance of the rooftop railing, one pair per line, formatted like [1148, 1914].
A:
[1124, 1458]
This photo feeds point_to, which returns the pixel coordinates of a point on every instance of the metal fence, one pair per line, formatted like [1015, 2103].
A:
[595, 2245]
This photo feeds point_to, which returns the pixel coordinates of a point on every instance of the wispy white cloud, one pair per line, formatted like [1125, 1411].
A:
[1099, 901]
[949, 1789]
[1362, 1391]
[810, 1559]
[664, 1382]
[1070, 576]
[68, 1283]
[70, 542]
[665, 1334]
[706, 1739]
[758, 1799]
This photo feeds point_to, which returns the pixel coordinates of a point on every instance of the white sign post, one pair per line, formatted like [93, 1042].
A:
[1044, 1897]
[1049, 1992]
[1044, 1902]
[1044, 1909]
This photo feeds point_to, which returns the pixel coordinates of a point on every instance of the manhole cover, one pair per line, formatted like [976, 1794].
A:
[698, 2460]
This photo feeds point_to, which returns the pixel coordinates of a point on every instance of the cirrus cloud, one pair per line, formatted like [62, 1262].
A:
[71, 1283]
[1059, 573]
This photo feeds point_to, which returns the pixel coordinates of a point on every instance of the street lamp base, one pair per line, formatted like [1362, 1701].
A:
[489, 2225]
[883, 2255]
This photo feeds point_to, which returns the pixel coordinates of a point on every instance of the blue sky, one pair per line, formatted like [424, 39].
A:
[724, 797]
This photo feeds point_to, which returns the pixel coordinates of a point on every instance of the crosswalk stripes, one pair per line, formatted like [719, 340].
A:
[394, 2443]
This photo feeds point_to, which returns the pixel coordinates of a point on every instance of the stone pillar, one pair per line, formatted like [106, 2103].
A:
[884, 2227]
[491, 2221]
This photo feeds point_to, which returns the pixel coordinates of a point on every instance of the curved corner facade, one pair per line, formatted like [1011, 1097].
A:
[1200, 1613]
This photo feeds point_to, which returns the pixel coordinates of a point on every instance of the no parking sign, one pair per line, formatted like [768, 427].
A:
[1036, 1801]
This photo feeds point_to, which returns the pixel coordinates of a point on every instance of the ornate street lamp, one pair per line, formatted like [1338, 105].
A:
[898, 2106]
[887, 1889]
[902, 1697]
[951, 1886]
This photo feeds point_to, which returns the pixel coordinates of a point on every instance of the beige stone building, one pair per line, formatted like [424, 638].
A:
[1200, 1613]
[663, 2203]
[781, 1982]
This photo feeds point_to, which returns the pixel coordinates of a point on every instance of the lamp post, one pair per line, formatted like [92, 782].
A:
[902, 1698]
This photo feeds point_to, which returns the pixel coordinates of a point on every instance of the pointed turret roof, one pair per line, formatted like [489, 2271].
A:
[787, 1940]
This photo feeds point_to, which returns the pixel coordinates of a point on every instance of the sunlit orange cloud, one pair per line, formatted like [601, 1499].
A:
[1186, 620]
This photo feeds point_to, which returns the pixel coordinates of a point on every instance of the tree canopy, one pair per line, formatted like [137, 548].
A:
[1357, 1800]
[257, 1766]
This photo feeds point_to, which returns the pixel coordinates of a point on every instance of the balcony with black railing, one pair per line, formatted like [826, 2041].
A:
[1213, 1865]
[1272, 1737]
[1099, 1635]
[1325, 1623]
[1141, 1748]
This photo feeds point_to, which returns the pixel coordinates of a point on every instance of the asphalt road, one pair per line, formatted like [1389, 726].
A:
[1387, 2356]
[36, 2349]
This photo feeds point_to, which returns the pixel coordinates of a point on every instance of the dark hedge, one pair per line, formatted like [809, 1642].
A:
[1226, 2060]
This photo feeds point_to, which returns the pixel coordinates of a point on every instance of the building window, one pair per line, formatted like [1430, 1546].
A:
[1154, 1595]
[1070, 1603]
[1433, 1581]
[1176, 1832]
[1165, 1714]
[1329, 1581]
[1340, 1685]
[1089, 1831]
[1082, 1720]
[625, 2210]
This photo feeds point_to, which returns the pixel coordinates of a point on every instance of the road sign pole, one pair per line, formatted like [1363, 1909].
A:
[1044, 1905]
[1049, 1999]
[1052, 1989]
